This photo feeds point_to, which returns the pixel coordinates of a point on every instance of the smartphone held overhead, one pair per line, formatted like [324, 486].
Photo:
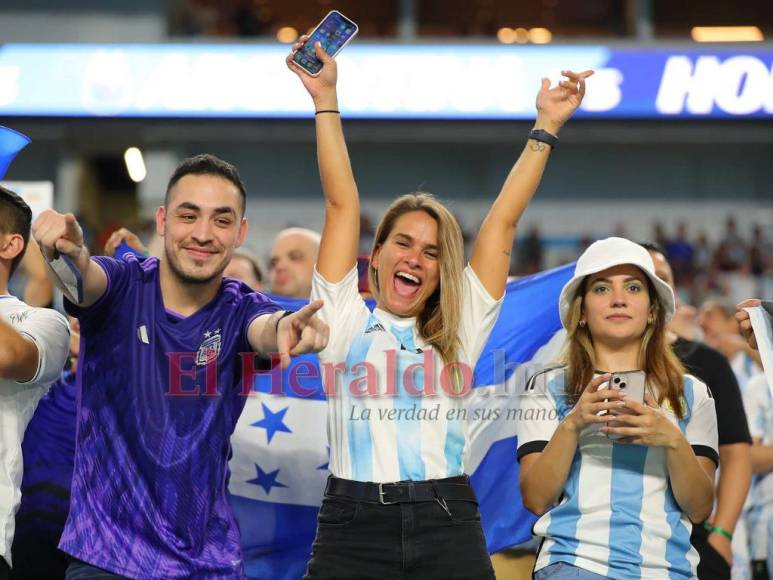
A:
[333, 33]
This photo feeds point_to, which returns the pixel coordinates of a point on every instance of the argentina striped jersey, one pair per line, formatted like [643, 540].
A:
[617, 515]
[393, 413]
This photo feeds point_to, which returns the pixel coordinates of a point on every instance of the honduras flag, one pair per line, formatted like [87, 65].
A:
[11, 142]
[279, 465]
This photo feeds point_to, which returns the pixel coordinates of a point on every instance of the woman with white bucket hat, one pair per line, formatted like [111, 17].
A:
[617, 481]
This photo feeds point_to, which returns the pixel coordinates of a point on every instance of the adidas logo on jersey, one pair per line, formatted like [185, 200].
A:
[375, 328]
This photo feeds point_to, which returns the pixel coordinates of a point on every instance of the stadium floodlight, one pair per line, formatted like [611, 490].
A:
[135, 164]
[540, 35]
[727, 34]
[506, 35]
[287, 35]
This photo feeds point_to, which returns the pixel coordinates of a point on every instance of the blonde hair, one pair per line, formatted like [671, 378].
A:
[656, 357]
[438, 322]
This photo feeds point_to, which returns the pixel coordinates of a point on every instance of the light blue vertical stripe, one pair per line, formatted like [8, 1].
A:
[758, 515]
[454, 447]
[408, 430]
[748, 366]
[626, 499]
[678, 544]
[564, 518]
[689, 397]
[769, 532]
[358, 431]
[557, 390]
[755, 517]
[760, 421]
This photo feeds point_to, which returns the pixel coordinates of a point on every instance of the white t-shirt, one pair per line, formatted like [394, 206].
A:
[387, 421]
[617, 515]
[49, 331]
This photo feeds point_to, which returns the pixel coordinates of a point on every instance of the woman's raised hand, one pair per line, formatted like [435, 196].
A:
[555, 105]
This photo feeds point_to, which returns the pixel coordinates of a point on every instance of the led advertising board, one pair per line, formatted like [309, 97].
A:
[379, 81]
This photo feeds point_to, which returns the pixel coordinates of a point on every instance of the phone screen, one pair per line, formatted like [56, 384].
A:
[333, 33]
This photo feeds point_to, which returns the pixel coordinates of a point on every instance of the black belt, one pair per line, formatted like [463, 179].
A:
[451, 489]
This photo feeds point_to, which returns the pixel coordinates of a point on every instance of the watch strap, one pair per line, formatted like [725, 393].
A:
[544, 137]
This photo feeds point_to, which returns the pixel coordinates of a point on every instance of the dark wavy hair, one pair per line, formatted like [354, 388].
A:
[15, 218]
[207, 164]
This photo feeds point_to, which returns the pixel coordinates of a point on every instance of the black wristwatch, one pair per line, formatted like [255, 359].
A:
[544, 136]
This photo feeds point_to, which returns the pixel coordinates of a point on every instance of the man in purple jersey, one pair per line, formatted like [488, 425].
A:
[161, 383]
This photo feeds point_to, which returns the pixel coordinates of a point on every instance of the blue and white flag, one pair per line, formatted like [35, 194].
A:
[11, 142]
[280, 454]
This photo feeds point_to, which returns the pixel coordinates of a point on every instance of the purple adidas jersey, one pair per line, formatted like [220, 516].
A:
[149, 488]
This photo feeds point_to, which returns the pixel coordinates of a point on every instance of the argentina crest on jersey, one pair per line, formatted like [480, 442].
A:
[209, 348]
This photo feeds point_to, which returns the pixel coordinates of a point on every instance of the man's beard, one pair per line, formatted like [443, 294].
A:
[185, 278]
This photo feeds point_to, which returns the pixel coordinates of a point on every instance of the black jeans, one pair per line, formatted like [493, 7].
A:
[405, 541]
[712, 565]
[5, 570]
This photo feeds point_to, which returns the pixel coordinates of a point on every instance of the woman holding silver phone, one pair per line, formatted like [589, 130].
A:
[617, 481]
[398, 503]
